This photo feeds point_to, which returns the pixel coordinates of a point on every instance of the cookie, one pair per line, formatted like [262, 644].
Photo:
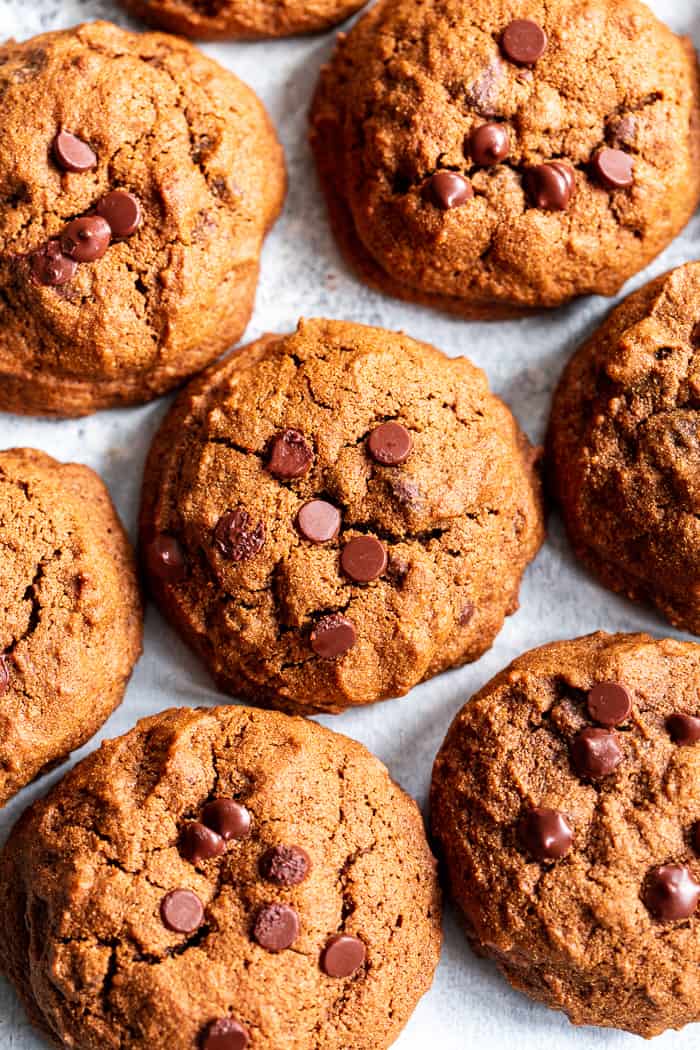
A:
[565, 808]
[332, 516]
[242, 19]
[624, 446]
[71, 626]
[221, 880]
[491, 159]
[137, 181]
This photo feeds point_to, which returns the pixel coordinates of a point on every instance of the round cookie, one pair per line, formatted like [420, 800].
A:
[565, 807]
[221, 880]
[624, 446]
[491, 158]
[71, 627]
[332, 516]
[133, 206]
[242, 19]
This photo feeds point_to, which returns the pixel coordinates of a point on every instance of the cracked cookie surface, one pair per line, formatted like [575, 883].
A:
[91, 874]
[429, 206]
[195, 154]
[242, 19]
[563, 855]
[331, 517]
[71, 629]
[624, 446]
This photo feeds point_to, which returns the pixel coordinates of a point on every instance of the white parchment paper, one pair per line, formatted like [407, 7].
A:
[470, 1005]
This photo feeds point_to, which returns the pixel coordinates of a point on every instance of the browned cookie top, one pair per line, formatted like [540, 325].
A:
[137, 180]
[490, 156]
[330, 517]
[625, 447]
[71, 624]
[221, 880]
[242, 19]
[565, 804]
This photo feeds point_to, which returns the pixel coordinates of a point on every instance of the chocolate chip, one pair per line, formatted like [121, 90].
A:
[86, 239]
[182, 911]
[333, 636]
[343, 955]
[236, 538]
[72, 154]
[285, 865]
[550, 186]
[198, 843]
[483, 93]
[546, 833]
[290, 455]
[227, 818]
[363, 559]
[609, 703]
[614, 168]
[449, 190]
[225, 1034]
[164, 559]
[489, 144]
[318, 521]
[51, 267]
[4, 676]
[595, 753]
[524, 42]
[467, 613]
[684, 729]
[276, 927]
[671, 892]
[121, 211]
[390, 444]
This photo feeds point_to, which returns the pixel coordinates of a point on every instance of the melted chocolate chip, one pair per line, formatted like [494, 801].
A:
[364, 558]
[613, 168]
[225, 1034]
[86, 239]
[227, 818]
[489, 144]
[609, 703]
[121, 211]
[595, 753]
[72, 154]
[290, 455]
[449, 190]
[524, 42]
[318, 521]
[285, 865]
[550, 186]
[546, 833]
[276, 927]
[333, 636]
[199, 843]
[684, 729]
[671, 892]
[51, 267]
[164, 559]
[343, 955]
[182, 911]
[467, 613]
[236, 538]
[390, 444]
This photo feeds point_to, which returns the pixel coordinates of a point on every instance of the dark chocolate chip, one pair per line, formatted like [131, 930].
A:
[164, 559]
[198, 843]
[595, 753]
[285, 865]
[449, 190]
[182, 911]
[364, 558]
[390, 444]
[609, 703]
[550, 186]
[613, 168]
[546, 833]
[524, 42]
[684, 729]
[72, 154]
[489, 144]
[333, 636]
[276, 927]
[86, 239]
[51, 267]
[318, 521]
[227, 818]
[343, 955]
[671, 892]
[236, 538]
[225, 1034]
[290, 455]
[122, 212]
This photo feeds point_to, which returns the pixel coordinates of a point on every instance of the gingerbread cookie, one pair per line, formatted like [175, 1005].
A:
[242, 19]
[331, 517]
[221, 880]
[133, 206]
[490, 161]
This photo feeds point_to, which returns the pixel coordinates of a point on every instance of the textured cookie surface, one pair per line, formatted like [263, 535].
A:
[71, 625]
[591, 905]
[242, 19]
[311, 921]
[332, 516]
[433, 122]
[625, 447]
[134, 298]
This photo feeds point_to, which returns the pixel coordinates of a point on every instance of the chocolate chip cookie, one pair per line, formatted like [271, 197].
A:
[71, 625]
[221, 880]
[332, 516]
[566, 809]
[242, 19]
[625, 448]
[137, 181]
[491, 158]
